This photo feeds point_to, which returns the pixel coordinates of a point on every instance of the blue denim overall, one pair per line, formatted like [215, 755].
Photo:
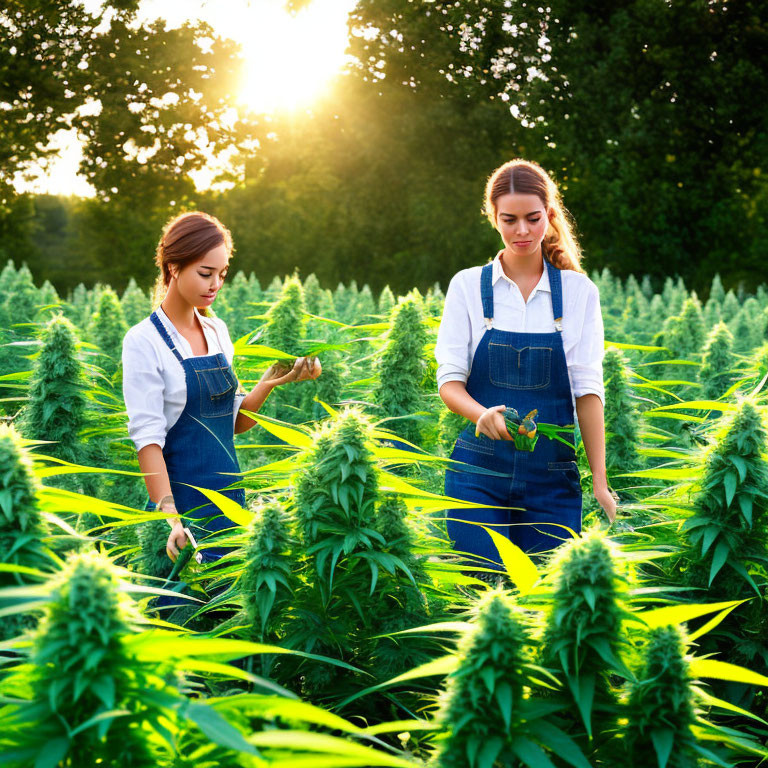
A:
[523, 371]
[201, 444]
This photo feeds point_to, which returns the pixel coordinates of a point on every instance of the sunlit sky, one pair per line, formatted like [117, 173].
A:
[289, 59]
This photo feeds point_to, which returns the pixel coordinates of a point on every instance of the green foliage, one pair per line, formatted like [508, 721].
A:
[489, 719]
[152, 558]
[386, 301]
[82, 670]
[327, 388]
[400, 369]
[449, 426]
[583, 632]
[359, 575]
[56, 407]
[716, 290]
[622, 418]
[728, 531]
[313, 294]
[365, 306]
[660, 712]
[730, 306]
[718, 360]
[267, 582]
[240, 296]
[136, 304]
[285, 322]
[107, 329]
[22, 527]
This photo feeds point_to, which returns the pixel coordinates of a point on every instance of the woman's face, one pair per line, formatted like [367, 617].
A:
[522, 222]
[200, 281]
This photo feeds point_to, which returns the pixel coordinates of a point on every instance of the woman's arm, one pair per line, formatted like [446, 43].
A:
[274, 376]
[152, 464]
[489, 421]
[589, 409]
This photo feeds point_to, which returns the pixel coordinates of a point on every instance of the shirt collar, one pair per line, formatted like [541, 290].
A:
[498, 273]
[167, 320]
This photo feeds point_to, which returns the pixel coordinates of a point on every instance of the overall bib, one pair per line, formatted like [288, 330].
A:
[523, 371]
[201, 444]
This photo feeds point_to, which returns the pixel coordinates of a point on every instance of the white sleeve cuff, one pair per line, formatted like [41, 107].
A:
[238, 402]
[143, 442]
[446, 373]
[589, 386]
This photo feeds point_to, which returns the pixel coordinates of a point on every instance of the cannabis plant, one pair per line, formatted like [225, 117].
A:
[660, 713]
[401, 369]
[268, 582]
[583, 635]
[715, 373]
[622, 418]
[55, 410]
[22, 527]
[107, 329]
[487, 715]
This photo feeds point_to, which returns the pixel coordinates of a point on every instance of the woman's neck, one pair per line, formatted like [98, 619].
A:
[526, 267]
[179, 311]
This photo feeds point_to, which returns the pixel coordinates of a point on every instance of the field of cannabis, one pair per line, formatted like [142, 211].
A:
[342, 629]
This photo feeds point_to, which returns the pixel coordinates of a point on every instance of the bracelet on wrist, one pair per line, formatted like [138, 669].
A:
[167, 499]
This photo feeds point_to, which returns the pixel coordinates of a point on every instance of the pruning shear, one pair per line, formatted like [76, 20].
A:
[198, 555]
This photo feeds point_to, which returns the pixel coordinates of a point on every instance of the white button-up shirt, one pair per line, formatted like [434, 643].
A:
[154, 385]
[463, 325]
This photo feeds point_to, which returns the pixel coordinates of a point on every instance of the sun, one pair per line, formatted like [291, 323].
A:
[290, 59]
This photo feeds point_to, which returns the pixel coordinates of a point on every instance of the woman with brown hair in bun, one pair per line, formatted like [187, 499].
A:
[181, 393]
[524, 332]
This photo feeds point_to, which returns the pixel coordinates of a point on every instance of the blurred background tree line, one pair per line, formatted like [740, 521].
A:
[648, 114]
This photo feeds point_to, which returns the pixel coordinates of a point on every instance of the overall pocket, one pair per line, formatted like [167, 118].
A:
[217, 390]
[513, 368]
[567, 469]
[482, 445]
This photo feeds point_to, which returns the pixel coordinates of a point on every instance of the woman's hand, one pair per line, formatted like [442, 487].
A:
[607, 499]
[492, 424]
[177, 540]
[303, 368]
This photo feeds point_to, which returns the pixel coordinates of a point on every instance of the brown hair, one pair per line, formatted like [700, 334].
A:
[185, 239]
[559, 246]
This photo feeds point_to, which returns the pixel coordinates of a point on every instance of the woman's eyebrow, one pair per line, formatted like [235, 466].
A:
[503, 213]
[205, 266]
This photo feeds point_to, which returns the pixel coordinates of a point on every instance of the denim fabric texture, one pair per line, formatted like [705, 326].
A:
[522, 371]
[200, 446]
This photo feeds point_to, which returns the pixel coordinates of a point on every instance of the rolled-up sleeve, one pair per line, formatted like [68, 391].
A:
[143, 392]
[454, 337]
[586, 359]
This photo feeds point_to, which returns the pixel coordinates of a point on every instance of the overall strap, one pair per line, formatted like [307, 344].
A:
[164, 334]
[486, 293]
[556, 287]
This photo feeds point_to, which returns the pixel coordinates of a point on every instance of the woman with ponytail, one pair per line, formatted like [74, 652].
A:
[524, 332]
[181, 393]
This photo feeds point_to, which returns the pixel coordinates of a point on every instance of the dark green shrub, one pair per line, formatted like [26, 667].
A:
[715, 373]
[386, 301]
[660, 712]
[622, 418]
[135, 303]
[401, 368]
[22, 527]
[107, 329]
[285, 322]
[267, 582]
[583, 634]
[56, 407]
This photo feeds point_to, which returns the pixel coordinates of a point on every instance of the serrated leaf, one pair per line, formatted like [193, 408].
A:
[663, 740]
[718, 560]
